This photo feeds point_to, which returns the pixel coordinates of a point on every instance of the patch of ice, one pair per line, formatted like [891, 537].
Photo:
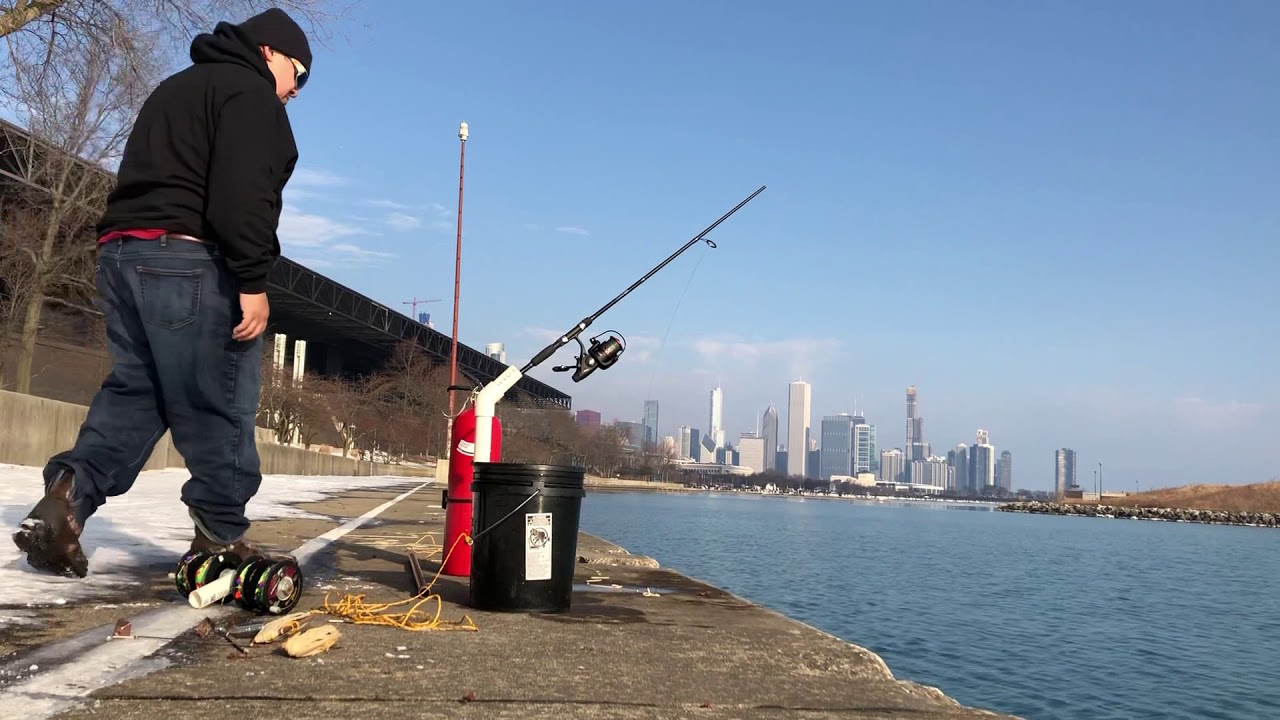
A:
[146, 527]
[14, 617]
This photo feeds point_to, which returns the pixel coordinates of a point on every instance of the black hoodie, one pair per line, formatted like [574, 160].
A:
[209, 156]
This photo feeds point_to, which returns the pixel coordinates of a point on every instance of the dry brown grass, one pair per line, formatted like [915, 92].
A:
[1259, 497]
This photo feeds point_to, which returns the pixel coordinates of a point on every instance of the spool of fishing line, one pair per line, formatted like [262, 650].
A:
[268, 586]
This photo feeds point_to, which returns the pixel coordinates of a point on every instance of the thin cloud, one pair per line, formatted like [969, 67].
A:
[315, 235]
[1212, 415]
[388, 204]
[572, 230]
[294, 194]
[730, 347]
[304, 229]
[309, 177]
[403, 221]
[797, 357]
[357, 251]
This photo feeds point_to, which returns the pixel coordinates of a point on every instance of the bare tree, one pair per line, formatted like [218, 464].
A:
[413, 388]
[602, 449]
[78, 116]
[17, 274]
[314, 420]
[355, 412]
[174, 20]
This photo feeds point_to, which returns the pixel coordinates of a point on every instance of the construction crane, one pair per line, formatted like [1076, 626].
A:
[415, 302]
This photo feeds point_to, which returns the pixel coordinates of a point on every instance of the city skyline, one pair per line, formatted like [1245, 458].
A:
[981, 461]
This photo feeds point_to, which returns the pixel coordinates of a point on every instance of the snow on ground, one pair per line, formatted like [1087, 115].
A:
[146, 527]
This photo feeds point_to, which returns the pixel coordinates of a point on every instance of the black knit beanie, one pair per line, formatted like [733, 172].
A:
[275, 29]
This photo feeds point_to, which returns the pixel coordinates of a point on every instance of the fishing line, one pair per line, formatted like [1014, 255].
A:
[662, 345]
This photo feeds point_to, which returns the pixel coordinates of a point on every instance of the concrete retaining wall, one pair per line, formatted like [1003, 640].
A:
[34, 428]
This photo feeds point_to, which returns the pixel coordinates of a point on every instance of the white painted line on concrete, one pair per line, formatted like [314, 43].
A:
[90, 662]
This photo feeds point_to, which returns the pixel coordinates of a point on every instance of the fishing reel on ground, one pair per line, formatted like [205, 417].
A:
[267, 586]
[601, 354]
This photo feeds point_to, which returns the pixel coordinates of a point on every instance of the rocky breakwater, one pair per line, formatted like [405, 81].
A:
[1213, 517]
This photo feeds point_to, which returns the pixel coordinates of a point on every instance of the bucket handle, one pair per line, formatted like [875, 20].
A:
[477, 536]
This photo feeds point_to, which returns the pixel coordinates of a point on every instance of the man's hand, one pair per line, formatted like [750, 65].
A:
[256, 310]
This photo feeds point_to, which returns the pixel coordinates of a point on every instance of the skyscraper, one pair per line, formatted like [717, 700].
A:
[982, 464]
[912, 430]
[959, 459]
[1064, 476]
[1004, 472]
[496, 351]
[751, 452]
[769, 431]
[717, 416]
[916, 448]
[891, 469]
[650, 439]
[798, 400]
[686, 441]
[838, 446]
[866, 458]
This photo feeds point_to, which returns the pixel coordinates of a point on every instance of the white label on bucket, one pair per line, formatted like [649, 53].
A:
[466, 447]
[537, 546]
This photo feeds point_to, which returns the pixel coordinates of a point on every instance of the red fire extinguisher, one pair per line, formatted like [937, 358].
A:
[457, 506]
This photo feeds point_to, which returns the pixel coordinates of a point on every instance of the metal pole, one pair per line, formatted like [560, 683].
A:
[457, 287]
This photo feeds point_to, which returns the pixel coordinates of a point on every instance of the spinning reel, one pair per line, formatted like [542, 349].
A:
[267, 586]
[601, 355]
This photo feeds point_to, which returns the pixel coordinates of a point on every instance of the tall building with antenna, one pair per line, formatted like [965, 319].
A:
[717, 416]
[916, 448]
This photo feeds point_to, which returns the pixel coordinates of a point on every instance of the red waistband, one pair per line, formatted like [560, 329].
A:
[143, 234]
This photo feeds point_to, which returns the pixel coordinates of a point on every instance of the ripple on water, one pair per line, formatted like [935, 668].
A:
[1038, 616]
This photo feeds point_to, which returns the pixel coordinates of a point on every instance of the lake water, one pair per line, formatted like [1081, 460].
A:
[1036, 616]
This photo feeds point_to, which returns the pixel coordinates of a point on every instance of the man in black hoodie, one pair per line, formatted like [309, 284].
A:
[184, 249]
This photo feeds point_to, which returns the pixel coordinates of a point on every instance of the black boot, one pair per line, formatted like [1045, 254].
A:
[50, 534]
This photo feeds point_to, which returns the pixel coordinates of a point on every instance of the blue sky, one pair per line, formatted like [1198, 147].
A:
[1058, 221]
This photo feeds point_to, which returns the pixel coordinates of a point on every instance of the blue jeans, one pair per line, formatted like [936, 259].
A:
[170, 307]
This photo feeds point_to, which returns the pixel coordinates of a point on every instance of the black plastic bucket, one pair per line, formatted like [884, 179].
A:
[525, 533]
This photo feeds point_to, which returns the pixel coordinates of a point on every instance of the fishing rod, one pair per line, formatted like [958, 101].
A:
[603, 354]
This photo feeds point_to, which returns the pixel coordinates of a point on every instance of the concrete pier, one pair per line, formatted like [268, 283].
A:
[660, 645]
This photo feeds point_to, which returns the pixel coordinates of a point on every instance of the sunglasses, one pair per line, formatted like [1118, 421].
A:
[300, 73]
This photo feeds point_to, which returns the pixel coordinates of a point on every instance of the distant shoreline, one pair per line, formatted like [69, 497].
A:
[595, 484]
[1121, 512]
